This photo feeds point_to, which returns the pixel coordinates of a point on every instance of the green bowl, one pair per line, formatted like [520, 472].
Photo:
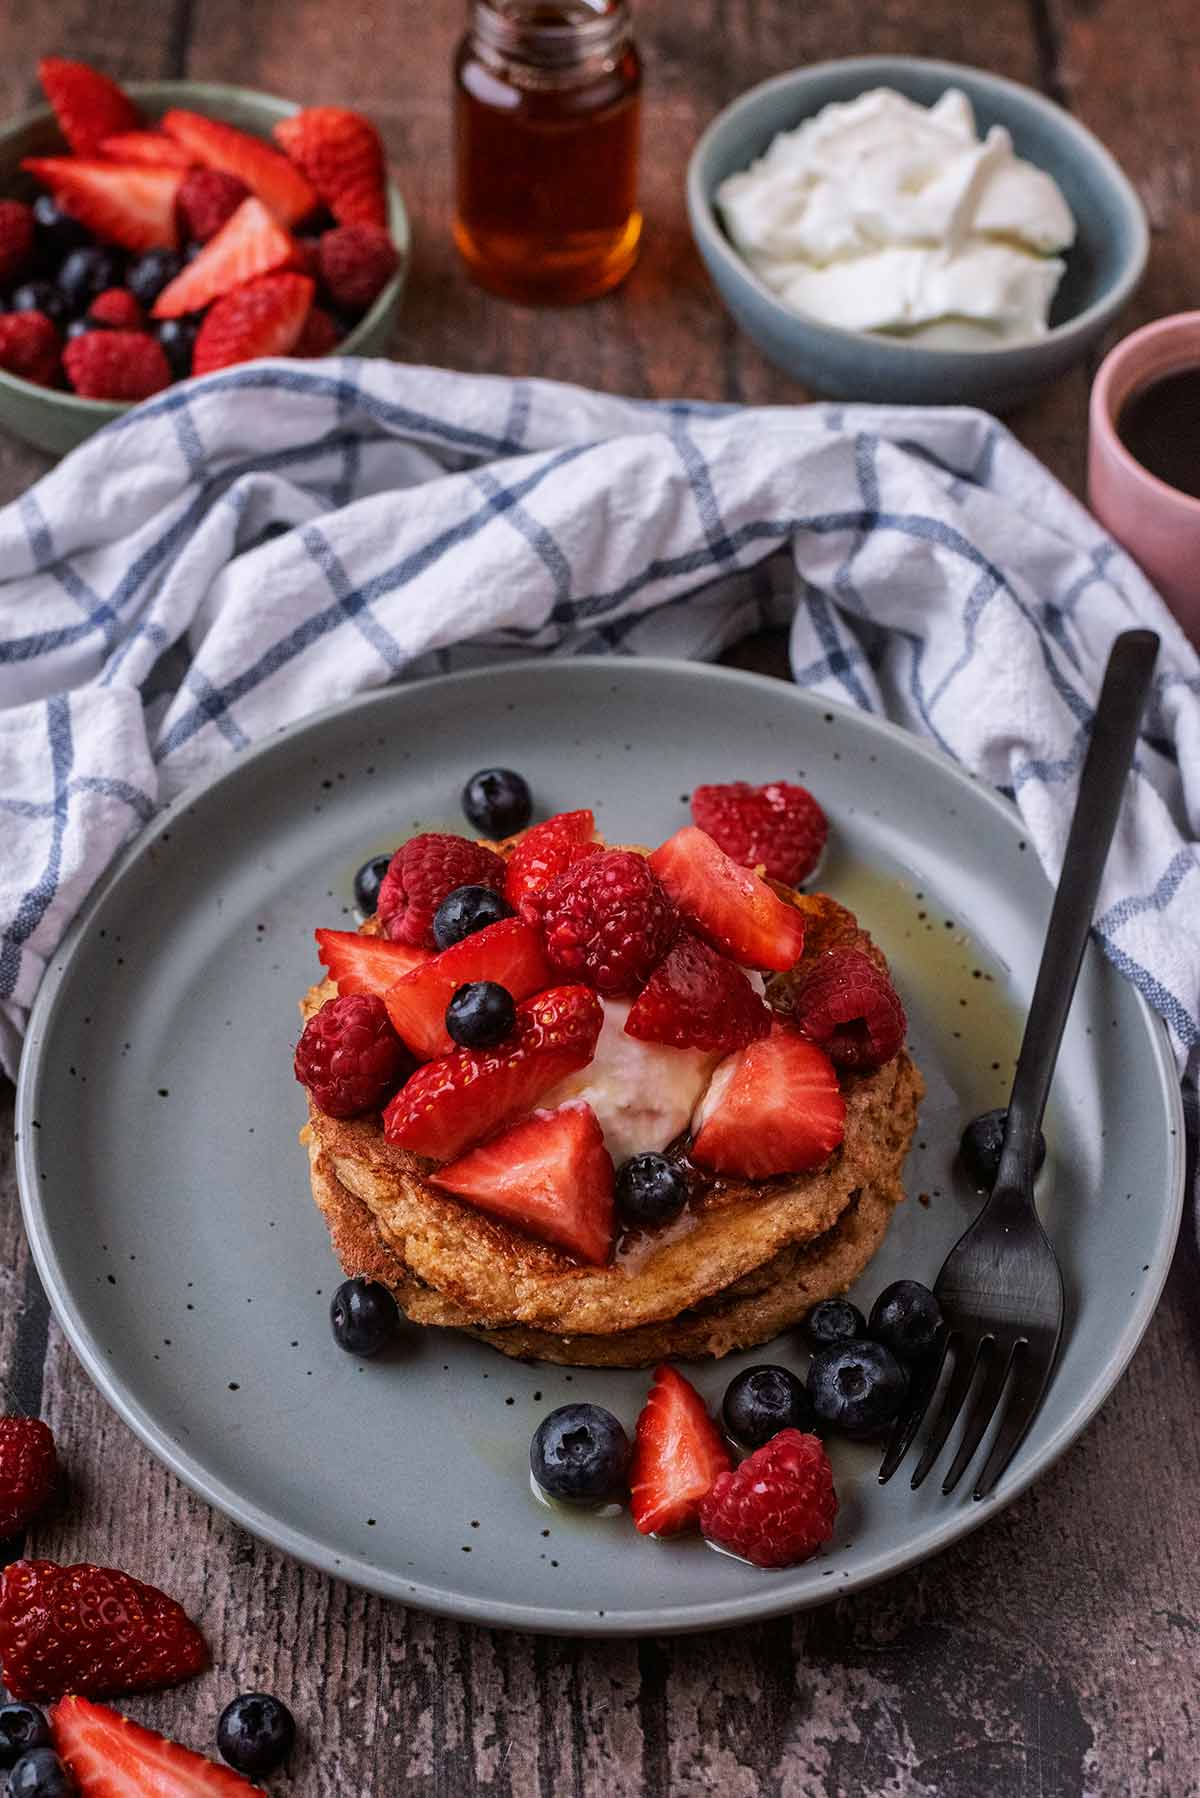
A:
[56, 421]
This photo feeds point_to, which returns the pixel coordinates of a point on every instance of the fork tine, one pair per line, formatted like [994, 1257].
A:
[965, 1361]
[1031, 1376]
[909, 1421]
[982, 1412]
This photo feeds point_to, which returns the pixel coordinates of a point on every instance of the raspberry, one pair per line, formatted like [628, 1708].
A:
[695, 999]
[608, 922]
[16, 239]
[207, 200]
[116, 365]
[849, 1008]
[117, 308]
[356, 262]
[319, 335]
[28, 1471]
[421, 874]
[778, 827]
[29, 347]
[541, 853]
[349, 1057]
[778, 1507]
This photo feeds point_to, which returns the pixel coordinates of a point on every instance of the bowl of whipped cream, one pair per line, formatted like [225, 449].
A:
[897, 229]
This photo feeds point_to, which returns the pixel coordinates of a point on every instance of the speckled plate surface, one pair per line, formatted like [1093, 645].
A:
[167, 1199]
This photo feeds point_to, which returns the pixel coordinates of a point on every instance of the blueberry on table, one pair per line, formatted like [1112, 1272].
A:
[497, 801]
[982, 1142]
[40, 296]
[856, 1387]
[481, 1014]
[255, 1733]
[147, 277]
[367, 883]
[466, 910]
[762, 1401]
[57, 231]
[650, 1191]
[364, 1317]
[22, 1727]
[906, 1318]
[834, 1320]
[40, 1774]
[86, 273]
[580, 1452]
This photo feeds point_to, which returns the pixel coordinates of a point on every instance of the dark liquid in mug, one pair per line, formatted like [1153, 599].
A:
[1160, 426]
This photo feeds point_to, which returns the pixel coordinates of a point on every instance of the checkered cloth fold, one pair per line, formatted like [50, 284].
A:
[245, 549]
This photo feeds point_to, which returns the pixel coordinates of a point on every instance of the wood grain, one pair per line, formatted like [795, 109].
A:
[1054, 1652]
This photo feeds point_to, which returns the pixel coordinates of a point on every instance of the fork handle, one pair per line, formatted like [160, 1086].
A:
[1097, 804]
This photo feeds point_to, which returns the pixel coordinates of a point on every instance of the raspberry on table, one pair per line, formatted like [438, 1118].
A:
[350, 1058]
[422, 872]
[28, 1472]
[778, 1507]
[608, 921]
[778, 827]
[847, 1006]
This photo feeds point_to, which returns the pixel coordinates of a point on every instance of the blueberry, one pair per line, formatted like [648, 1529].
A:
[40, 296]
[834, 1320]
[907, 1319]
[40, 1774]
[981, 1143]
[255, 1733]
[364, 1316]
[481, 1014]
[497, 802]
[466, 910]
[650, 1191]
[79, 327]
[761, 1402]
[579, 1452]
[178, 339]
[22, 1727]
[84, 274]
[56, 229]
[192, 250]
[856, 1387]
[147, 277]
[367, 883]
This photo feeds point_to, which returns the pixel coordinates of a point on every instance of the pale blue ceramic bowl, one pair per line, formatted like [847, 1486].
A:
[1103, 268]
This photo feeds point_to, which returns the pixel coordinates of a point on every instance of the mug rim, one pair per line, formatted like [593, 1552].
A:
[1107, 397]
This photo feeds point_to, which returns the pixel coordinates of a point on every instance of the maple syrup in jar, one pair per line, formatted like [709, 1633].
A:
[547, 100]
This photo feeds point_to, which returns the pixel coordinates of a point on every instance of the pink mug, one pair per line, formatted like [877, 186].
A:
[1157, 524]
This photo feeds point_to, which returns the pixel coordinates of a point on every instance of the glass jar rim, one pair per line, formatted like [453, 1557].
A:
[514, 30]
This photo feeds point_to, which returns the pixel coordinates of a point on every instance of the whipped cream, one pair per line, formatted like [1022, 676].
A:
[882, 215]
[643, 1094]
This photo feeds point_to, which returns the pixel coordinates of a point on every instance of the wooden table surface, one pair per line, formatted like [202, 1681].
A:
[1057, 1650]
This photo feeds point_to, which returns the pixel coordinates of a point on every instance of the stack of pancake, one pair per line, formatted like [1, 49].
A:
[745, 1261]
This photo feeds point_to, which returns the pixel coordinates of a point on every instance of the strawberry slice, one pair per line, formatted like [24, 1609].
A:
[88, 106]
[248, 244]
[366, 964]
[696, 999]
[677, 1455]
[510, 953]
[126, 204]
[263, 318]
[342, 155]
[550, 1175]
[113, 1757]
[90, 1629]
[542, 853]
[458, 1100]
[154, 148]
[278, 183]
[773, 1108]
[732, 909]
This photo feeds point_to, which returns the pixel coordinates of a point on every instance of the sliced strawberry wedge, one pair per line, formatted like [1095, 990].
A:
[677, 1456]
[154, 148]
[460, 1099]
[697, 999]
[278, 183]
[113, 1757]
[88, 105]
[123, 203]
[542, 853]
[248, 244]
[366, 964]
[729, 907]
[510, 953]
[550, 1175]
[773, 1108]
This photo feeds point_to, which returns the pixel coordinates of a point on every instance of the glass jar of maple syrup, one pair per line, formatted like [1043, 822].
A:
[547, 99]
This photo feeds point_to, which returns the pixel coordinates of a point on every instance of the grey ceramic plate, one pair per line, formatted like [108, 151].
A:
[167, 1199]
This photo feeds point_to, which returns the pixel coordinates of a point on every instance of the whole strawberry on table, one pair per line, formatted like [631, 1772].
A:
[164, 249]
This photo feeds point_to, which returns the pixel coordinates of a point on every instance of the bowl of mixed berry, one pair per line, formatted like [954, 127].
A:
[171, 229]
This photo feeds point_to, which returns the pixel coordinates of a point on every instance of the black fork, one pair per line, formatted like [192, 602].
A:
[1000, 1288]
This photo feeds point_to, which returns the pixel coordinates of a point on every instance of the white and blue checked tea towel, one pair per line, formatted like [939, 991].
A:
[243, 550]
